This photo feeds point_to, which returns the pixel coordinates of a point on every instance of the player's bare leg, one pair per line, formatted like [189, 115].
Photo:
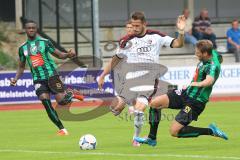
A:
[64, 99]
[117, 105]
[160, 102]
[184, 131]
[181, 131]
[175, 128]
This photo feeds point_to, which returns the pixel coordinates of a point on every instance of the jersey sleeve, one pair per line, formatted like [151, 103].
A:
[166, 41]
[121, 53]
[123, 49]
[50, 47]
[22, 57]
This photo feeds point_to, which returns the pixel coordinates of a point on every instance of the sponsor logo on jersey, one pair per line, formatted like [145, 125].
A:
[37, 60]
[149, 41]
[25, 52]
[144, 49]
[33, 49]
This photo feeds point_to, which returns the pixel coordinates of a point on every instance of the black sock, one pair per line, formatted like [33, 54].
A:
[154, 119]
[189, 131]
[52, 114]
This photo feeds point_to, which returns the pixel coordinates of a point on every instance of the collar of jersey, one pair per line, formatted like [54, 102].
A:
[142, 35]
[208, 61]
[37, 38]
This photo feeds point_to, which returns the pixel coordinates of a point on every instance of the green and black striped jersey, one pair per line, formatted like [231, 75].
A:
[212, 68]
[37, 53]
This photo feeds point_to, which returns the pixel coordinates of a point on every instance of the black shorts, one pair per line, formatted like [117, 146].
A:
[190, 108]
[52, 85]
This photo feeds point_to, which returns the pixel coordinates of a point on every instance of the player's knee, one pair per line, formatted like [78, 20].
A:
[142, 102]
[66, 99]
[174, 131]
[117, 106]
[43, 96]
[114, 111]
[153, 103]
[160, 102]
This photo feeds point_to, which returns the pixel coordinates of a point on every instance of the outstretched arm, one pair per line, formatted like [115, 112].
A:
[20, 70]
[63, 55]
[181, 22]
[205, 83]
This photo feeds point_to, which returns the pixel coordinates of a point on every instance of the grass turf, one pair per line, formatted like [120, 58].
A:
[30, 135]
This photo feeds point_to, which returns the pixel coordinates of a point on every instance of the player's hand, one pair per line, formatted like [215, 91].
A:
[13, 82]
[195, 84]
[181, 23]
[100, 82]
[71, 53]
[184, 89]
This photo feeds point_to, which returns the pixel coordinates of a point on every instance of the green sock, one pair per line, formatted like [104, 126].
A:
[189, 131]
[154, 119]
[52, 114]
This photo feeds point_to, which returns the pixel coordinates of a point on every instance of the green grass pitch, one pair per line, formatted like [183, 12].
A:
[29, 135]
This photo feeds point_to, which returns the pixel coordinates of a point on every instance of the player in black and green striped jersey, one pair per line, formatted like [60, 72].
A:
[37, 51]
[37, 54]
[192, 100]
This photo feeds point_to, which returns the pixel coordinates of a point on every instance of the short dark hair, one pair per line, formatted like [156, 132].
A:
[138, 16]
[29, 21]
[205, 46]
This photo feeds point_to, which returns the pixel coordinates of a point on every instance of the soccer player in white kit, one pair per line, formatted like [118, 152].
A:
[144, 46]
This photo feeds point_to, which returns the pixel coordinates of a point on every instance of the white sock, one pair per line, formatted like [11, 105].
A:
[138, 122]
[64, 130]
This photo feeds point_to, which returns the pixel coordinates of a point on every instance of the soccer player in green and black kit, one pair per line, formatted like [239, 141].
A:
[192, 100]
[36, 52]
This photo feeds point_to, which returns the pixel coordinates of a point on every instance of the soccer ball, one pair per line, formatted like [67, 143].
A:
[88, 142]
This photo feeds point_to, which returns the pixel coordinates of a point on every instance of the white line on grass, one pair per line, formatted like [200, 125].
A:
[119, 154]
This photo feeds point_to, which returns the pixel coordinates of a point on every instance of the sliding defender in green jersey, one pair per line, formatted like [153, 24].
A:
[192, 101]
[37, 51]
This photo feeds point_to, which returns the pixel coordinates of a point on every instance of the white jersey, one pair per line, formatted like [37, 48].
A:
[143, 49]
[137, 75]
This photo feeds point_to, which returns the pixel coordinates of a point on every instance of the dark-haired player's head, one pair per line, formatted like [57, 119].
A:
[203, 50]
[31, 29]
[138, 22]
